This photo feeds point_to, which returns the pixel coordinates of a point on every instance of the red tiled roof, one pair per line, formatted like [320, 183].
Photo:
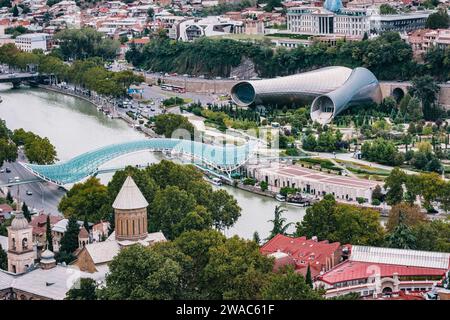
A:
[353, 270]
[5, 208]
[39, 223]
[83, 233]
[303, 251]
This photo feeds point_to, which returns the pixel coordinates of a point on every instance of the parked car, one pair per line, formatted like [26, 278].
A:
[29, 193]
[8, 170]
[17, 179]
[2, 170]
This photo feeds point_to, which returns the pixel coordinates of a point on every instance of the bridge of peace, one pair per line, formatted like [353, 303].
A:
[223, 159]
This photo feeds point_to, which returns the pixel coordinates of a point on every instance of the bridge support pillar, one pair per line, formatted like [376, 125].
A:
[16, 84]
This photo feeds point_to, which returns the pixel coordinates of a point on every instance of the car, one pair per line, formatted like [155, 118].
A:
[17, 179]
[2, 170]
[8, 170]
[29, 193]
[10, 180]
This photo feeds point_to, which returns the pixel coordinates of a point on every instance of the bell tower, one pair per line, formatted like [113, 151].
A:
[21, 254]
[130, 210]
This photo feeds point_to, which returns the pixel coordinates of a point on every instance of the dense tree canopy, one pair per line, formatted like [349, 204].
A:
[387, 56]
[196, 265]
[174, 126]
[288, 285]
[85, 200]
[438, 20]
[329, 220]
[85, 43]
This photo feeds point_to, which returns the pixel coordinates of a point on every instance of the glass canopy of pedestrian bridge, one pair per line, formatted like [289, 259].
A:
[222, 158]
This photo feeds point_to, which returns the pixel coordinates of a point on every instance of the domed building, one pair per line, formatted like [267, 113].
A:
[333, 5]
[21, 254]
[130, 218]
[130, 209]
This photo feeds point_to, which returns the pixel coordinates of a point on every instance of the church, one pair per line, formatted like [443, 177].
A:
[30, 278]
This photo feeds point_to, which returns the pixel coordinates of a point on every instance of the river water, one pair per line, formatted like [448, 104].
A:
[75, 126]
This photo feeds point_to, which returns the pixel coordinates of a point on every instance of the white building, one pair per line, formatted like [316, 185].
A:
[211, 26]
[31, 41]
[351, 22]
[313, 182]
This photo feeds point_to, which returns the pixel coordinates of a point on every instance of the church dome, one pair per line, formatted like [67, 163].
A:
[19, 222]
[333, 5]
[47, 255]
[129, 197]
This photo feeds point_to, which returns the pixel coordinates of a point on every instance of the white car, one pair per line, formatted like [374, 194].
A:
[17, 179]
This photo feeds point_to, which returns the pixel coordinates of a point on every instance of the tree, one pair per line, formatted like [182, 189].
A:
[26, 212]
[401, 237]
[85, 200]
[3, 259]
[410, 215]
[319, 219]
[394, 185]
[414, 110]
[426, 89]
[84, 43]
[15, 11]
[387, 9]
[48, 234]
[288, 285]
[438, 20]
[382, 151]
[256, 238]
[359, 226]
[329, 220]
[40, 151]
[69, 241]
[308, 277]
[432, 236]
[236, 270]
[263, 185]
[224, 209]
[377, 193]
[169, 209]
[150, 13]
[168, 124]
[278, 223]
[9, 198]
[154, 276]
[83, 289]
[197, 244]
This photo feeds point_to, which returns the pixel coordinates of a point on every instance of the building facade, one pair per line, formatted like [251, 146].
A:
[375, 272]
[21, 253]
[354, 22]
[32, 41]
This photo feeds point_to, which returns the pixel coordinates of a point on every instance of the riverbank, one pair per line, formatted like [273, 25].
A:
[96, 102]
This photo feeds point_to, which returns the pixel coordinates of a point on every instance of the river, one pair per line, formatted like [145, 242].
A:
[75, 126]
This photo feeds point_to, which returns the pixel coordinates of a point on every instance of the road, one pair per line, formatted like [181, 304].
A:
[46, 196]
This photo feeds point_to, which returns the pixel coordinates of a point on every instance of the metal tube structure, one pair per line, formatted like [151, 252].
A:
[330, 90]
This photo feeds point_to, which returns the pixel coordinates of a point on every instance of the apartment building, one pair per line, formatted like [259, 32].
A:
[31, 41]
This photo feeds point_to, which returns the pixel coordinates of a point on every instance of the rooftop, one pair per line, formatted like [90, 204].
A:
[130, 197]
[413, 258]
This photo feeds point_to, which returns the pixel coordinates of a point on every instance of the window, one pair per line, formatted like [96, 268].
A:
[24, 244]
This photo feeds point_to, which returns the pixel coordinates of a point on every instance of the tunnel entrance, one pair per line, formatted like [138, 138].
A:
[243, 93]
[322, 109]
[398, 94]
